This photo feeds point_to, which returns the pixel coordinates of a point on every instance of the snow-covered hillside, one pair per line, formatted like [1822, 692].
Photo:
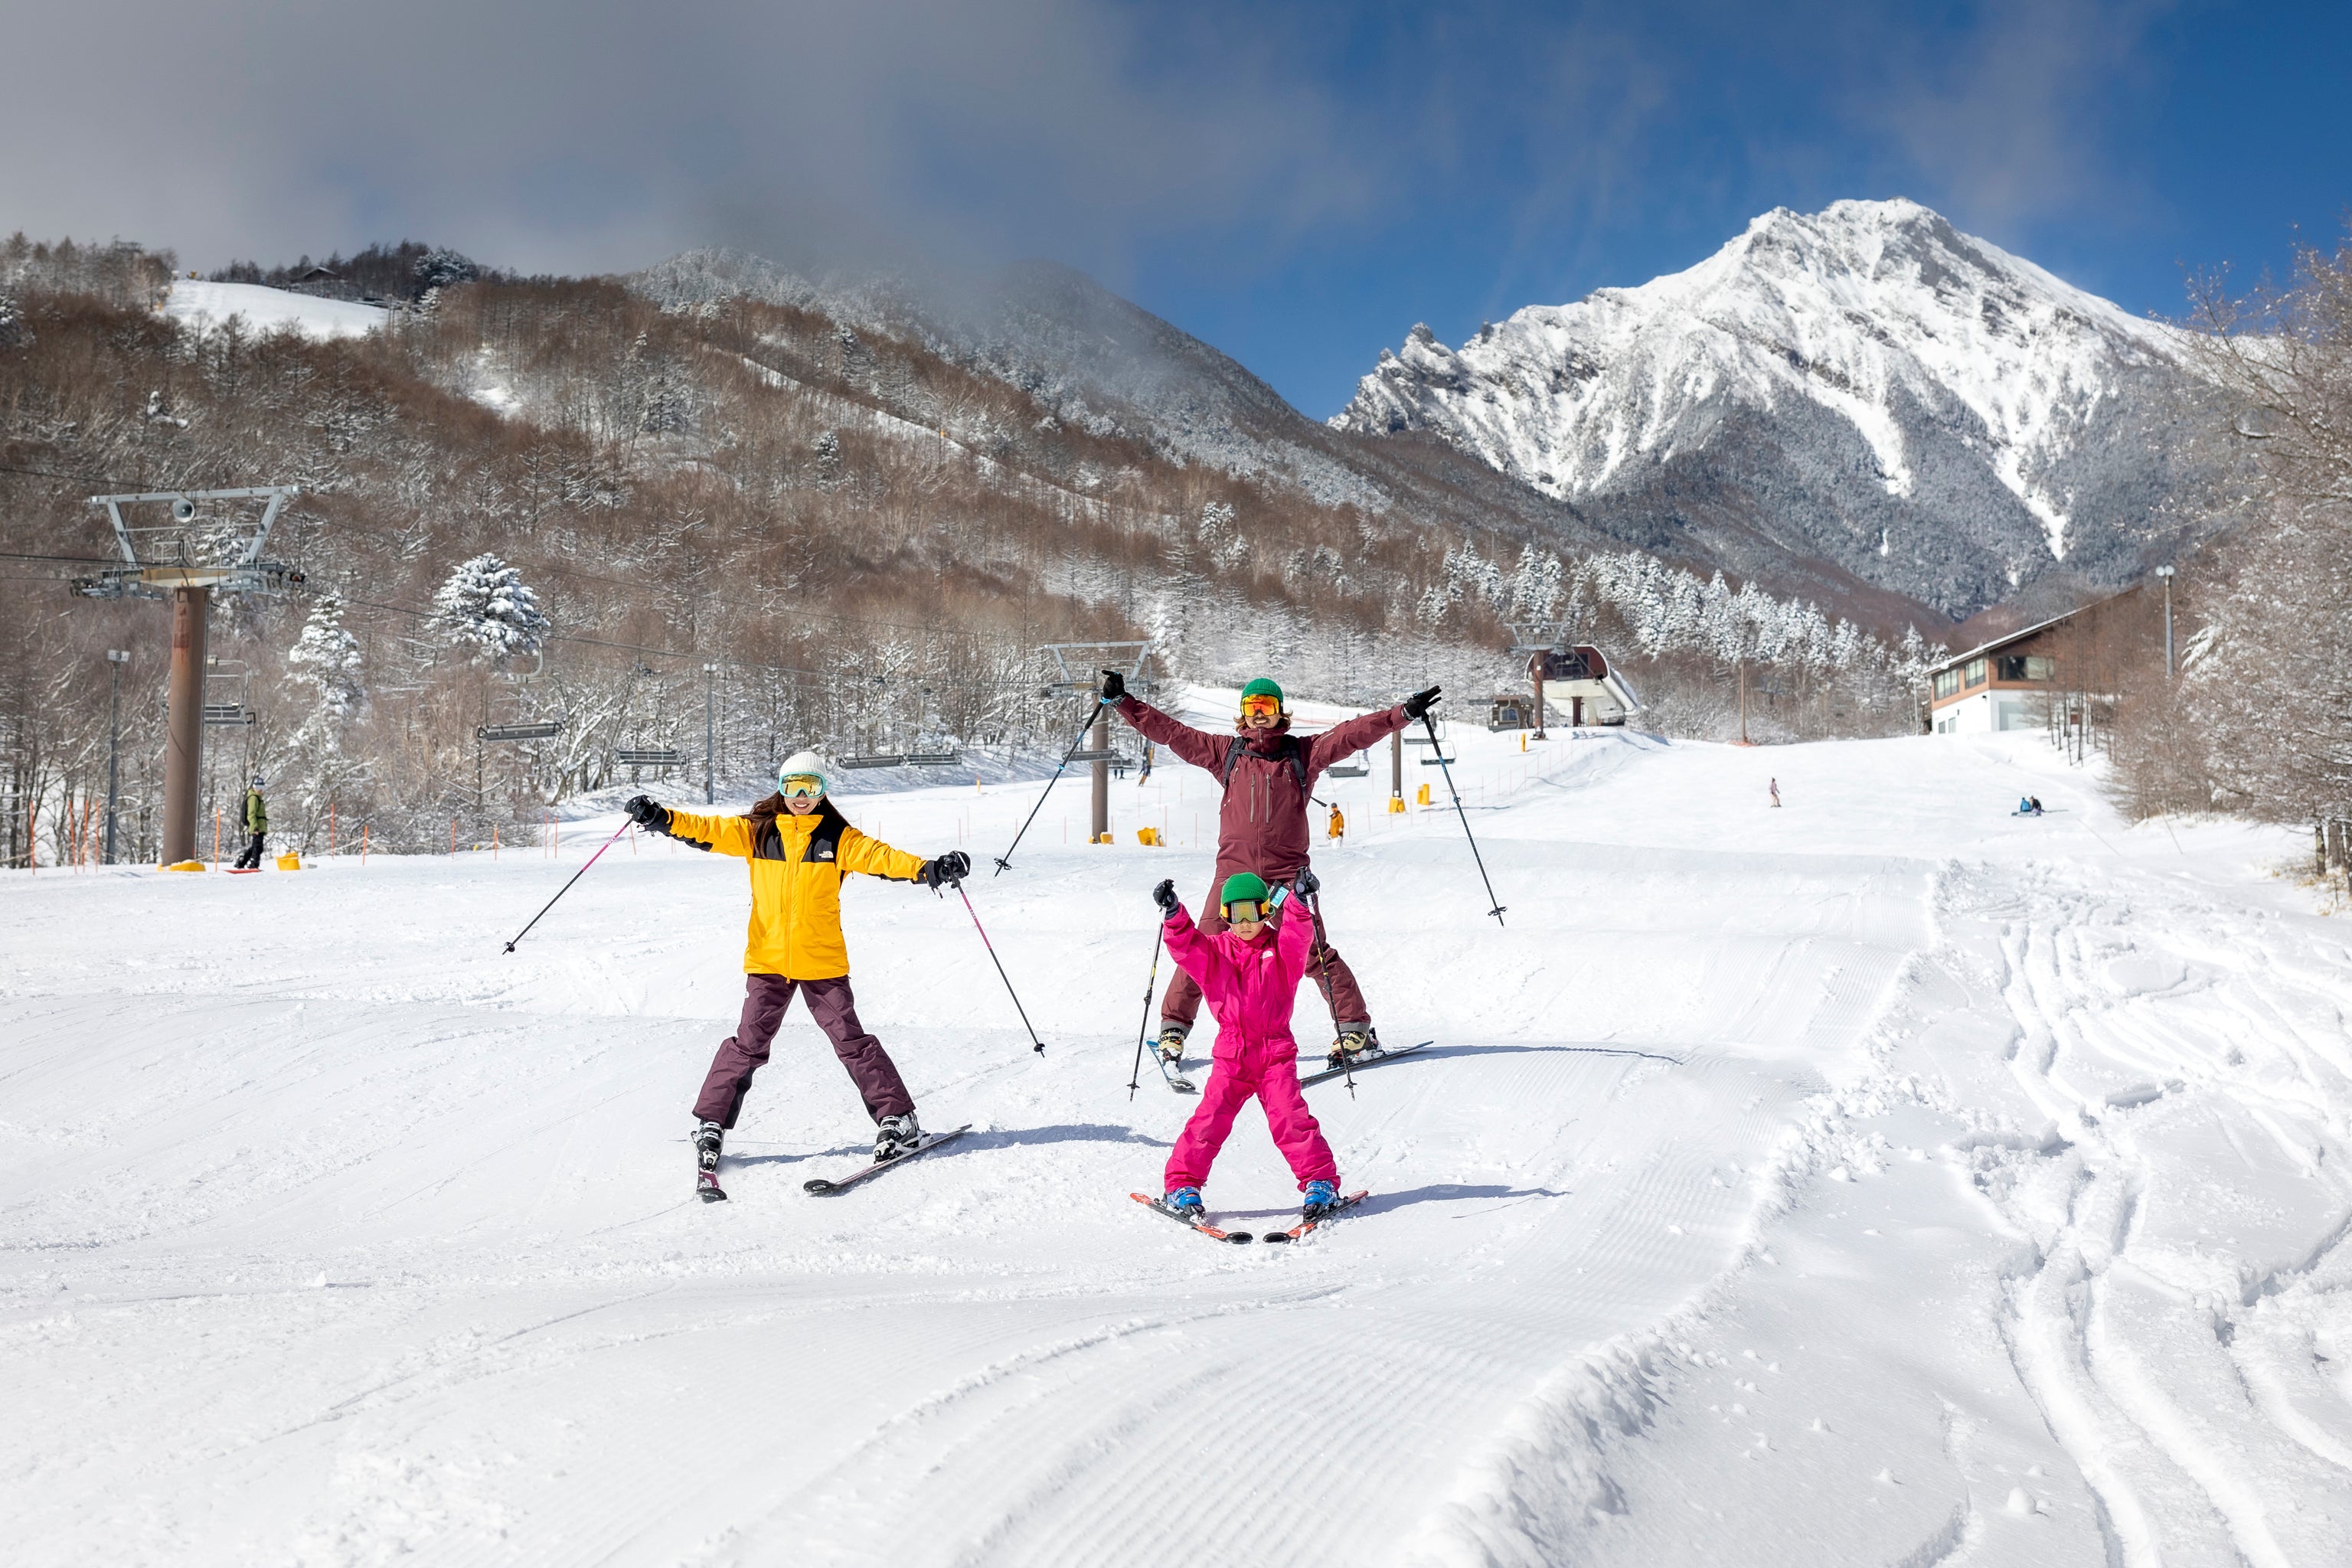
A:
[1865, 383]
[1878, 1179]
[207, 306]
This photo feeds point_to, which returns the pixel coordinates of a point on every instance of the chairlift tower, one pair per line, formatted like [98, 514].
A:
[1081, 665]
[210, 543]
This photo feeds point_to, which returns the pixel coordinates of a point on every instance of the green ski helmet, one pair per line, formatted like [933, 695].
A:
[1264, 689]
[1242, 887]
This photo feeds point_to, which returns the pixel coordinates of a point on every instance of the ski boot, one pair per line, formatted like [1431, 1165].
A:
[1170, 1044]
[708, 1136]
[1318, 1200]
[896, 1135]
[1355, 1045]
[1184, 1203]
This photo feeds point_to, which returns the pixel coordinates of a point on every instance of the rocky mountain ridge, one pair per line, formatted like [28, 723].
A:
[1865, 386]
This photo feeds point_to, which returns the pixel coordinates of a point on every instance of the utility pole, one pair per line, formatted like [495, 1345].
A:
[2166, 573]
[115, 659]
[709, 731]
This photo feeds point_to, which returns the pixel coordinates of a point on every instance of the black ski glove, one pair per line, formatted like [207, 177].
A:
[647, 815]
[1165, 896]
[1420, 702]
[1114, 686]
[1307, 884]
[952, 867]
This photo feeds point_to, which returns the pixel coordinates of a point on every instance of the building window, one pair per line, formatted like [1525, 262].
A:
[1948, 683]
[1975, 673]
[2025, 667]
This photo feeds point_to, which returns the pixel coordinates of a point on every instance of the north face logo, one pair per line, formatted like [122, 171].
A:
[824, 854]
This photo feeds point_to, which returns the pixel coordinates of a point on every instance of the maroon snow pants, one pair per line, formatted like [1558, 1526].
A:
[1343, 996]
[745, 1052]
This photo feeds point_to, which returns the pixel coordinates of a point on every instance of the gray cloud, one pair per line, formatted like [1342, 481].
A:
[597, 134]
[1225, 139]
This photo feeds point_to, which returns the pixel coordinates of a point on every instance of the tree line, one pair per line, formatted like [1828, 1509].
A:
[868, 542]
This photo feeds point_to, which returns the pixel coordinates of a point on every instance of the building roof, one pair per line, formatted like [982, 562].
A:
[1984, 649]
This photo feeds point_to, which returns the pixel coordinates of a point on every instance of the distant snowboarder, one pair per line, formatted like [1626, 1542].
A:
[257, 822]
[2029, 805]
[1268, 776]
[799, 846]
[1774, 786]
[1250, 968]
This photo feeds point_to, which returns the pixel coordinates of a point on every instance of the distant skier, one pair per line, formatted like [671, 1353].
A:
[1336, 829]
[257, 822]
[1250, 969]
[1268, 776]
[800, 846]
[1774, 786]
[2029, 805]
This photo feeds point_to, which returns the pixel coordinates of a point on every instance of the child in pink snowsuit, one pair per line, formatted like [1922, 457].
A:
[1249, 983]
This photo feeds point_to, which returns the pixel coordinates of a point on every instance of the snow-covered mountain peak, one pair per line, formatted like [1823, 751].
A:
[1894, 360]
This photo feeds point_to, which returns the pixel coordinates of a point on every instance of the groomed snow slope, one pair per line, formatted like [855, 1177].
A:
[209, 306]
[1881, 1179]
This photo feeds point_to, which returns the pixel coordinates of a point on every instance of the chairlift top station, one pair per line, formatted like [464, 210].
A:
[207, 543]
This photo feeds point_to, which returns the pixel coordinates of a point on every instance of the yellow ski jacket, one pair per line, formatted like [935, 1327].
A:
[797, 865]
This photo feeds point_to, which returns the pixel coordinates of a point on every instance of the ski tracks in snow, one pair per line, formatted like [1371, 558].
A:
[2186, 1204]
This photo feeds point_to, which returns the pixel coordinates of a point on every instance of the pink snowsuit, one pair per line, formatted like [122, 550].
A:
[1250, 986]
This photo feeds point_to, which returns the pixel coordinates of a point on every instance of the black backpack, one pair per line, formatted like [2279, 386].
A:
[1291, 748]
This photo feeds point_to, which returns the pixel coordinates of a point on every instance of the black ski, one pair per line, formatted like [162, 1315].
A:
[706, 1166]
[1304, 1226]
[1176, 1078]
[1367, 1059]
[1238, 1238]
[930, 1140]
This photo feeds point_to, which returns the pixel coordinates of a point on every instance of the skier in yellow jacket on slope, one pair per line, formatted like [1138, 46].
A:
[800, 847]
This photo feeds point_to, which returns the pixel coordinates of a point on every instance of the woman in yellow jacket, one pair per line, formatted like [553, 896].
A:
[800, 846]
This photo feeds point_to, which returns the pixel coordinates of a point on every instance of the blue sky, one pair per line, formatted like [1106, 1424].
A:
[1298, 182]
[2113, 143]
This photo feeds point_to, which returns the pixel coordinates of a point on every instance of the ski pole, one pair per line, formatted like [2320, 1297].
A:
[1151, 984]
[567, 886]
[1035, 1044]
[1323, 944]
[1445, 768]
[1004, 861]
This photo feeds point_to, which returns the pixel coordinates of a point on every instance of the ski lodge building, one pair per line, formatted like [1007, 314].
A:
[1987, 688]
[2009, 682]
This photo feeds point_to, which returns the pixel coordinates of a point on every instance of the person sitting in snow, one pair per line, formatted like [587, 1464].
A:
[799, 846]
[1250, 968]
[1268, 776]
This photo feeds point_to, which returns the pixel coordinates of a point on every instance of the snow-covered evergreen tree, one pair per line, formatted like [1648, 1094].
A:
[485, 609]
[326, 657]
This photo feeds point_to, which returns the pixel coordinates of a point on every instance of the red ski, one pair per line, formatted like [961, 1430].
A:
[1238, 1238]
[1304, 1226]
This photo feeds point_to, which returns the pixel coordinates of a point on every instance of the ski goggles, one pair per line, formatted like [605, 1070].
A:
[799, 786]
[1247, 910]
[1261, 706]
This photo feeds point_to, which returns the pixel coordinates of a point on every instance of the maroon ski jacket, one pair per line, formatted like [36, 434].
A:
[1267, 775]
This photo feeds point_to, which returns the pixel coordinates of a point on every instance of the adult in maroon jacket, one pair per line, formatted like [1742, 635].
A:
[1268, 776]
